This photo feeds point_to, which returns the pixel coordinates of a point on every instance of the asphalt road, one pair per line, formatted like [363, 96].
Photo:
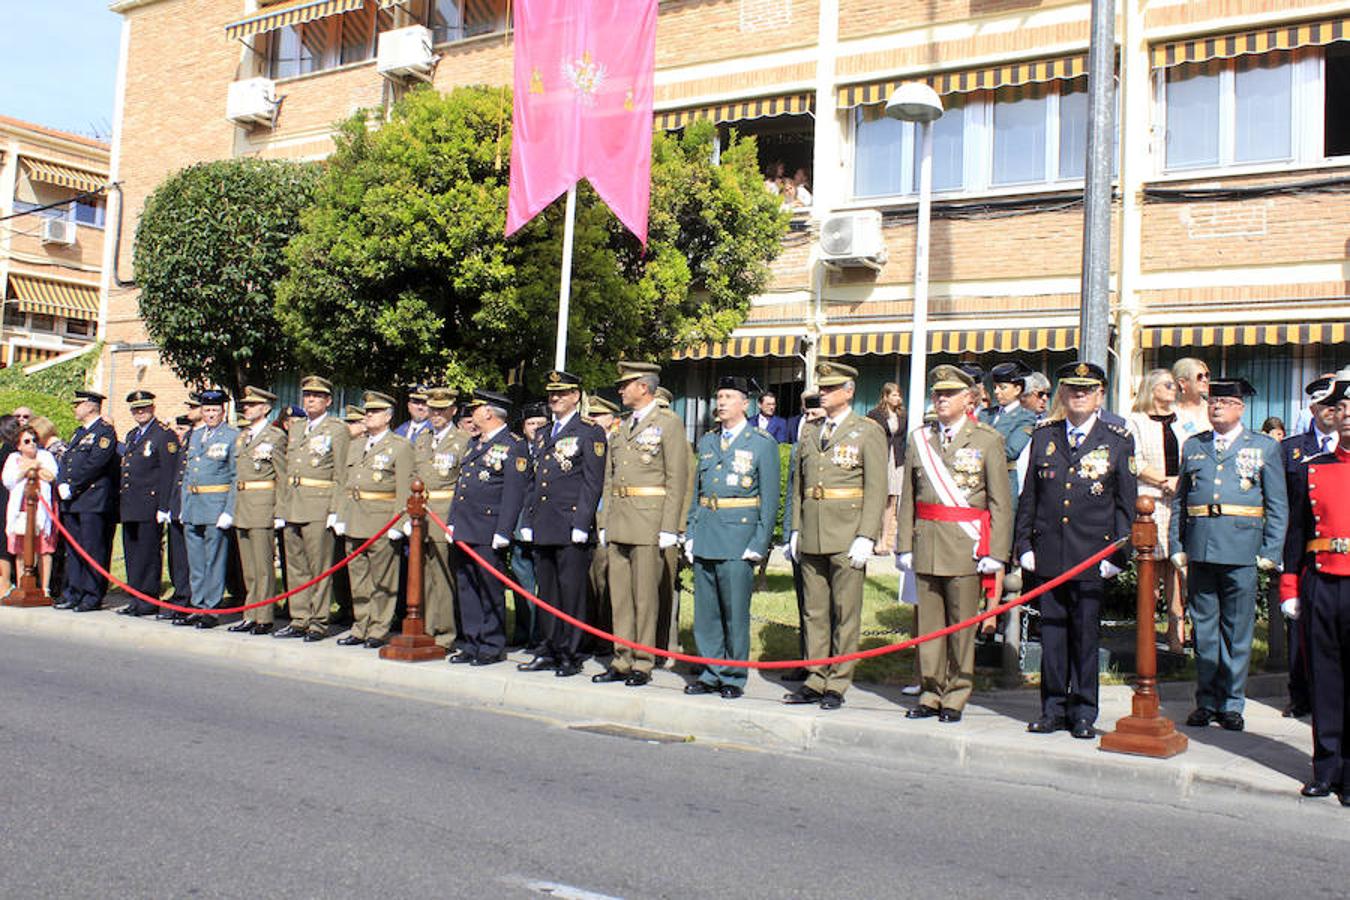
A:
[138, 775]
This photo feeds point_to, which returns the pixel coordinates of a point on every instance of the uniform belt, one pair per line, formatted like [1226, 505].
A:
[1329, 545]
[301, 481]
[728, 502]
[208, 489]
[824, 493]
[625, 490]
[448, 494]
[1226, 509]
[257, 485]
[372, 495]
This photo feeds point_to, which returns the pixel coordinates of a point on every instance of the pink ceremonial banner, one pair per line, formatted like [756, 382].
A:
[583, 105]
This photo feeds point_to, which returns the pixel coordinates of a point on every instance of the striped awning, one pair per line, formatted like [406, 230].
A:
[1245, 335]
[737, 348]
[960, 82]
[55, 298]
[982, 341]
[22, 353]
[292, 12]
[1264, 40]
[758, 108]
[65, 176]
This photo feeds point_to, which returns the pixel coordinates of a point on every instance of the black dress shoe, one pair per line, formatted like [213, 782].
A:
[831, 700]
[485, 660]
[262, 627]
[351, 640]
[63, 604]
[730, 691]
[700, 687]
[1047, 725]
[88, 607]
[637, 679]
[1201, 717]
[290, 631]
[538, 664]
[1231, 721]
[205, 622]
[1344, 797]
[375, 643]
[792, 675]
[608, 676]
[458, 659]
[949, 715]
[187, 620]
[922, 712]
[312, 636]
[241, 627]
[802, 695]
[1296, 711]
[1083, 731]
[567, 670]
[1317, 789]
[171, 615]
[127, 611]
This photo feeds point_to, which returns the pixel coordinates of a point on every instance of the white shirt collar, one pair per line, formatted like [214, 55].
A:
[372, 441]
[256, 429]
[1086, 428]
[562, 423]
[443, 433]
[1231, 437]
[311, 424]
[733, 433]
[835, 420]
[484, 438]
[1011, 407]
[955, 428]
[640, 414]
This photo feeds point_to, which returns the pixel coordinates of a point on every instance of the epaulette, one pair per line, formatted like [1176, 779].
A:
[587, 420]
[762, 433]
[1044, 422]
[1118, 429]
[985, 426]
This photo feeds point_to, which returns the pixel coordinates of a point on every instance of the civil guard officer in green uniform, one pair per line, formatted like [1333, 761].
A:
[1229, 517]
[1013, 421]
[728, 527]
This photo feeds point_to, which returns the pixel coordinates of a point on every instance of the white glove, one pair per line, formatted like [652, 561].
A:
[988, 565]
[225, 521]
[407, 528]
[277, 524]
[332, 522]
[1290, 608]
[579, 536]
[63, 490]
[1108, 569]
[394, 535]
[905, 560]
[163, 517]
[339, 528]
[1028, 560]
[601, 536]
[1179, 560]
[450, 532]
[1266, 565]
[860, 551]
[793, 540]
[498, 542]
[689, 552]
[527, 535]
[665, 540]
[749, 555]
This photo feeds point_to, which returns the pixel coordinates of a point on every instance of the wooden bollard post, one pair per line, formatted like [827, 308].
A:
[29, 590]
[1145, 732]
[413, 644]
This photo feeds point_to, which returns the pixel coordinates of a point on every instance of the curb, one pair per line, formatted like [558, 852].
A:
[988, 743]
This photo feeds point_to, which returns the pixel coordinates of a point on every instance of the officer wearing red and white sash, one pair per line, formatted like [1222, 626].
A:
[954, 532]
[1315, 588]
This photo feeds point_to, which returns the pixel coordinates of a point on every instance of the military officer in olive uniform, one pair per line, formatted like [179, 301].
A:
[1229, 517]
[643, 508]
[493, 479]
[840, 486]
[377, 483]
[1013, 421]
[559, 519]
[954, 532]
[88, 483]
[1078, 497]
[604, 413]
[728, 527]
[149, 469]
[209, 487]
[261, 454]
[316, 465]
[438, 451]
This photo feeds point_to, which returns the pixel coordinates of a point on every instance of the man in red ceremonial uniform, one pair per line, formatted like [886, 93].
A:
[1315, 589]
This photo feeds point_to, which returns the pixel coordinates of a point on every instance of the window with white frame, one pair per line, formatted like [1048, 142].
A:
[1021, 136]
[325, 43]
[1286, 106]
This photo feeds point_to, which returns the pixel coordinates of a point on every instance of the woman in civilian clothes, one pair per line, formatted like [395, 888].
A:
[889, 413]
[14, 475]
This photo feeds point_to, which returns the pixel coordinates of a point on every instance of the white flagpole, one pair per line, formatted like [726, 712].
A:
[565, 288]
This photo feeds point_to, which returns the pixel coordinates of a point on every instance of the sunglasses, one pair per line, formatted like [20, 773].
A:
[1203, 376]
[1170, 385]
[1042, 394]
[26, 440]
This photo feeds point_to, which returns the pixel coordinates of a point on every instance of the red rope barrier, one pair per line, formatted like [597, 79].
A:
[84, 554]
[782, 663]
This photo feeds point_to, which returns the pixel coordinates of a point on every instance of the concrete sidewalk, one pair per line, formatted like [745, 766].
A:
[1269, 760]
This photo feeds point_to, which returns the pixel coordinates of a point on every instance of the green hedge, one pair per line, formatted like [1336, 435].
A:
[49, 392]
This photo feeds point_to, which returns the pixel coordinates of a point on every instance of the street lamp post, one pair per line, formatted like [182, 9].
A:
[916, 102]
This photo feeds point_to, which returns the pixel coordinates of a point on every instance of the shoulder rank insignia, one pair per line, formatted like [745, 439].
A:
[1044, 422]
[1118, 429]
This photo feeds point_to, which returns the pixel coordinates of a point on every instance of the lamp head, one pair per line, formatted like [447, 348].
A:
[914, 101]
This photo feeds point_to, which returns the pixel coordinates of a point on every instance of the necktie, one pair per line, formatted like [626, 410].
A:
[1076, 438]
[825, 433]
[1326, 443]
[946, 437]
[726, 439]
[557, 427]
[1221, 443]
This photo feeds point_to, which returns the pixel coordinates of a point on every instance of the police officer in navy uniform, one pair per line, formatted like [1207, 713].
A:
[87, 485]
[1078, 497]
[149, 471]
[179, 572]
[493, 479]
[559, 519]
[1315, 591]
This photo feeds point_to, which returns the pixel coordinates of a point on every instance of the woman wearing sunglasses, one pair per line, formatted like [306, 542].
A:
[14, 475]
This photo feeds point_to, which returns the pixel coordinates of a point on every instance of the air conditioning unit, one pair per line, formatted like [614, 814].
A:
[251, 101]
[406, 53]
[853, 239]
[58, 231]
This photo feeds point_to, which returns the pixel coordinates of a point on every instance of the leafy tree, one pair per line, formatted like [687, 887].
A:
[210, 249]
[401, 270]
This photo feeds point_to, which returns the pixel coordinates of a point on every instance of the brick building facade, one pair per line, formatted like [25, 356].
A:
[1230, 228]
